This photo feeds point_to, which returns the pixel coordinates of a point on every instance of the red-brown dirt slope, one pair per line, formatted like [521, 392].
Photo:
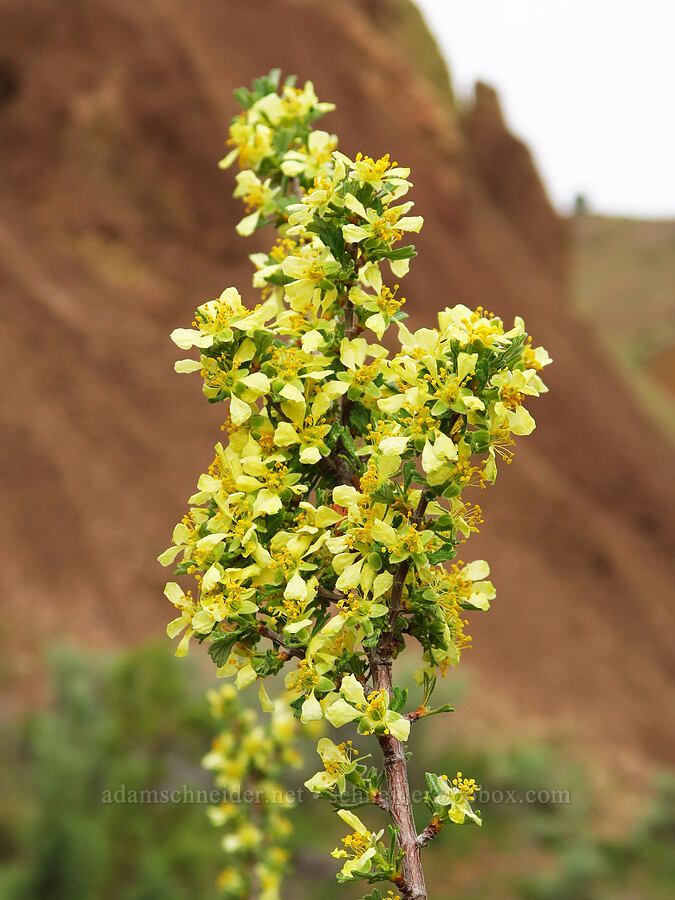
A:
[115, 223]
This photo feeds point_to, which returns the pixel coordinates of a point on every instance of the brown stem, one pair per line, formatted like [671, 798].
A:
[385, 646]
[329, 596]
[350, 325]
[429, 833]
[380, 801]
[278, 640]
[338, 469]
[411, 882]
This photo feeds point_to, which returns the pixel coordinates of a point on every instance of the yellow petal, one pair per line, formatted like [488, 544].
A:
[248, 224]
[310, 455]
[383, 533]
[285, 435]
[266, 503]
[296, 589]
[311, 710]
[265, 702]
[240, 412]
[187, 366]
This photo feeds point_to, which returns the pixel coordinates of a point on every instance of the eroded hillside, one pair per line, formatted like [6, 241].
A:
[115, 223]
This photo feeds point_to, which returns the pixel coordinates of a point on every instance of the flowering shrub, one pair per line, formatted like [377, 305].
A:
[317, 540]
[247, 759]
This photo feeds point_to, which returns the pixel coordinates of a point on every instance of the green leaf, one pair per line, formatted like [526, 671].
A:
[401, 253]
[482, 372]
[220, 649]
[452, 490]
[243, 97]
[433, 783]
[409, 473]
[359, 417]
[480, 441]
[270, 81]
[398, 699]
[447, 707]
[278, 278]
[445, 553]
[372, 639]
[445, 520]
[268, 664]
[384, 494]
[331, 236]
[262, 340]
[348, 442]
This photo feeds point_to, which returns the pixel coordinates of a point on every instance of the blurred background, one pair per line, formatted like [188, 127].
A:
[115, 223]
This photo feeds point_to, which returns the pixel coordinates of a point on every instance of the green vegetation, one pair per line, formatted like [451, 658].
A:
[624, 271]
[130, 721]
[123, 720]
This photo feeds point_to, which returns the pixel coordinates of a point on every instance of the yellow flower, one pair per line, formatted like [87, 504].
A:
[269, 480]
[436, 458]
[310, 272]
[361, 847]
[462, 324]
[216, 319]
[183, 602]
[343, 467]
[359, 611]
[326, 190]
[312, 160]
[185, 535]
[377, 172]
[387, 226]
[307, 433]
[372, 711]
[300, 102]
[513, 388]
[338, 760]
[223, 597]
[383, 304]
[252, 144]
[258, 196]
[456, 796]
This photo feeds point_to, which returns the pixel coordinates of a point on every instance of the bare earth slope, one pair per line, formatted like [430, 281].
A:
[115, 223]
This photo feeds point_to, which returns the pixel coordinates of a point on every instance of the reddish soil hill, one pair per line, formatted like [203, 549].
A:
[115, 223]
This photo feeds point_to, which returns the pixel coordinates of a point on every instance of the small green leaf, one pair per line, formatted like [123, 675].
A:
[220, 649]
[445, 553]
[359, 417]
[278, 278]
[384, 494]
[401, 253]
[398, 699]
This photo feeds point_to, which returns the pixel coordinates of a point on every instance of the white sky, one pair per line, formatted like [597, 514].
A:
[588, 84]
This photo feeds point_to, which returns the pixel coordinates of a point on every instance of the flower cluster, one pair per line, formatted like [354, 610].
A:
[360, 849]
[249, 756]
[318, 539]
[451, 800]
